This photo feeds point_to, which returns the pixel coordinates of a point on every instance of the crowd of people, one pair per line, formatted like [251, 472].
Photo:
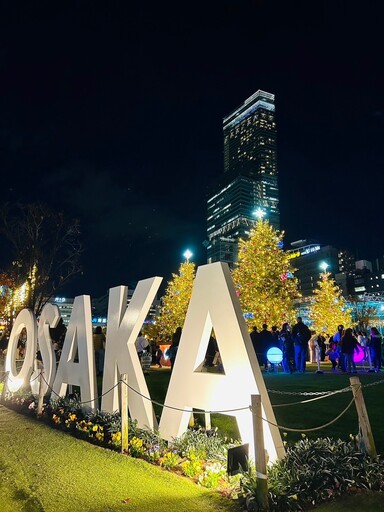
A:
[300, 345]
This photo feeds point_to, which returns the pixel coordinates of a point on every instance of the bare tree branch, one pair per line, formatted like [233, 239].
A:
[45, 247]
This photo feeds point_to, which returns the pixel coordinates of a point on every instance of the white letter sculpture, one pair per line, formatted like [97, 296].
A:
[25, 319]
[78, 341]
[49, 318]
[124, 325]
[214, 304]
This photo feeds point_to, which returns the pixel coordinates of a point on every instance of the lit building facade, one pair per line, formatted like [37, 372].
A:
[307, 257]
[249, 181]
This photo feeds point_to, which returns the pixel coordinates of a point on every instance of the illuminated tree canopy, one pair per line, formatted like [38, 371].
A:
[175, 301]
[264, 278]
[328, 308]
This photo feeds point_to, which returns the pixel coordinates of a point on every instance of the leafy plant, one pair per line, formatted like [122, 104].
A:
[136, 447]
[315, 471]
[191, 468]
[170, 460]
[213, 475]
[205, 444]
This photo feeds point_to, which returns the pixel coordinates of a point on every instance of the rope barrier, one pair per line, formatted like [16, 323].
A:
[309, 393]
[85, 401]
[318, 395]
[310, 429]
[381, 381]
[185, 410]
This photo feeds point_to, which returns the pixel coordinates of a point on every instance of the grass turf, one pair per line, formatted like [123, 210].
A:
[42, 469]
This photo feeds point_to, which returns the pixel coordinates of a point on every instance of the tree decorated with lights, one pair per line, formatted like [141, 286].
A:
[328, 308]
[175, 301]
[264, 278]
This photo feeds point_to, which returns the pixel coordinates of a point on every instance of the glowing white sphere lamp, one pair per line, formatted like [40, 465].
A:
[274, 355]
[188, 255]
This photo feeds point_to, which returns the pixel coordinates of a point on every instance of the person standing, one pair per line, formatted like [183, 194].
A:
[172, 351]
[254, 335]
[158, 356]
[99, 348]
[287, 348]
[265, 342]
[348, 346]
[337, 339]
[375, 347]
[301, 335]
[141, 344]
[312, 347]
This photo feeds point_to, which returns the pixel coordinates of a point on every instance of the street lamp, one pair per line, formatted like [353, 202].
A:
[188, 255]
[259, 213]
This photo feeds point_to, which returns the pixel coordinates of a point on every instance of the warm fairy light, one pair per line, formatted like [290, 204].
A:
[175, 301]
[329, 308]
[264, 277]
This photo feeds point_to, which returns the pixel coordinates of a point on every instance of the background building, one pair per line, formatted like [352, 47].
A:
[249, 181]
[308, 258]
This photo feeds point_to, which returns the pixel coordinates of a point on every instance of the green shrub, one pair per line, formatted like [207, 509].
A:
[169, 460]
[192, 468]
[315, 471]
[204, 444]
[214, 475]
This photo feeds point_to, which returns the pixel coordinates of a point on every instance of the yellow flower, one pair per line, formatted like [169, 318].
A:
[95, 428]
[116, 436]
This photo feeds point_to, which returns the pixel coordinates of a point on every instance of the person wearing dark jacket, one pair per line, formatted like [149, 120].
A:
[265, 342]
[301, 335]
[349, 345]
[172, 351]
[286, 341]
[375, 348]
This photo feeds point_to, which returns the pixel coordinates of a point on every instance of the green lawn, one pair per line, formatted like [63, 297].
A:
[42, 469]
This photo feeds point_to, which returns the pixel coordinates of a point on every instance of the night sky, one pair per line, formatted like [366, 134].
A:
[112, 112]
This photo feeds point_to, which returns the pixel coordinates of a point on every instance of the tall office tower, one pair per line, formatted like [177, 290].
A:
[249, 181]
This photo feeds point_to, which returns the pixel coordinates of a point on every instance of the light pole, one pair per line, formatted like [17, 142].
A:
[188, 254]
[259, 213]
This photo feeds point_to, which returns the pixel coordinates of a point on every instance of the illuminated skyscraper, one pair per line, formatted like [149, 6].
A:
[249, 181]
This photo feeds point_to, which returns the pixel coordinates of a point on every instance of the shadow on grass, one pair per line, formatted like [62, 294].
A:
[29, 503]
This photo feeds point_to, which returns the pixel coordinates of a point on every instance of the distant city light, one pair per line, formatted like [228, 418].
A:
[188, 255]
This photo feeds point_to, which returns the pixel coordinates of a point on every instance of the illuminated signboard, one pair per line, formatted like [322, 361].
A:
[310, 249]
